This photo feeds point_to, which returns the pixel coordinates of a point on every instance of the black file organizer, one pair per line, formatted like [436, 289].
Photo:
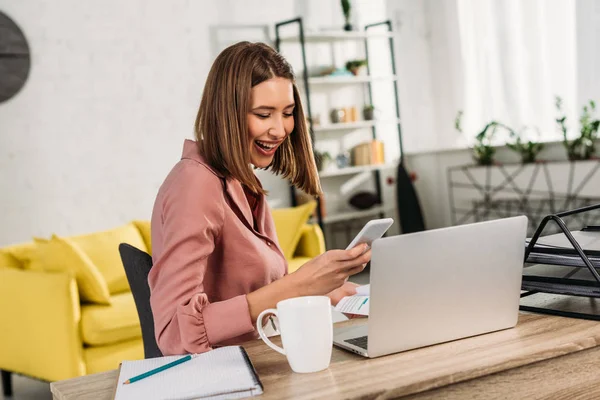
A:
[576, 258]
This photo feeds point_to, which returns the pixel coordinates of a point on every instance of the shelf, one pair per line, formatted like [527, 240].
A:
[348, 126]
[353, 170]
[342, 80]
[334, 36]
[348, 215]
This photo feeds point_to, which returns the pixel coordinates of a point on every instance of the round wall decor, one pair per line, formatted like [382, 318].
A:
[14, 58]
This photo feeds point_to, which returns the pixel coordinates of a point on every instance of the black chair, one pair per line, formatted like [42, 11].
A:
[137, 265]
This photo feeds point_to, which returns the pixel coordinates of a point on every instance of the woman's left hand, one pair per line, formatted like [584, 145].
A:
[347, 289]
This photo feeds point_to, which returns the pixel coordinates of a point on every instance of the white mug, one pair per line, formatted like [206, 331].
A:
[306, 331]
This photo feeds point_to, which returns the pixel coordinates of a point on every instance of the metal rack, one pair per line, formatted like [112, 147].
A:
[573, 258]
[506, 190]
[365, 35]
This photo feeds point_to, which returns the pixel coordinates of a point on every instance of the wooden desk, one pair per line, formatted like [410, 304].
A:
[542, 357]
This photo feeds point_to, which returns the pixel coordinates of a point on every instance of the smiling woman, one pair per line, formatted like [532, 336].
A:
[251, 96]
[217, 261]
[270, 120]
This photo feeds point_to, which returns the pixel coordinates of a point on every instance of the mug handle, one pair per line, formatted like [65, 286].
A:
[262, 333]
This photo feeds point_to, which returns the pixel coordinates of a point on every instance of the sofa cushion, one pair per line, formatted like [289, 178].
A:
[289, 223]
[144, 228]
[7, 260]
[16, 256]
[105, 324]
[60, 254]
[296, 263]
[103, 249]
[105, 358]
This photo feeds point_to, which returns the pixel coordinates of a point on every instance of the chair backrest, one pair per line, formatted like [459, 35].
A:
[137, 265]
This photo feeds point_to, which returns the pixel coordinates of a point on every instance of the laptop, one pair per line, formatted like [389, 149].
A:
[440, 285]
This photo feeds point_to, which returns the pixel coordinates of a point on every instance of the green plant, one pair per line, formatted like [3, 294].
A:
[346, 8]
[589, 130]
[483, 151]
[369, 112]
[582, 147]
[353, 65]
[528, 150]
[321, 158]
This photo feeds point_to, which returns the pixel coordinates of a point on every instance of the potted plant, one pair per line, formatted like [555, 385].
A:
[528, 150]
[582, 147]
[355, 66]
[346, 8]
[483, 152]
[369, 112]
[322, 159]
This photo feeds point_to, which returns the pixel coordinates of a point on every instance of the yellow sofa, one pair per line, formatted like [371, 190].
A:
[53, 328]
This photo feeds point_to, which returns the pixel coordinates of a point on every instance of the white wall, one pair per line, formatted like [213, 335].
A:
[588, 55]
[429, 137]
[113, 91]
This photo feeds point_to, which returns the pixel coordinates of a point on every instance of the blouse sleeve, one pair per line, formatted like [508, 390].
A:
[192, 218]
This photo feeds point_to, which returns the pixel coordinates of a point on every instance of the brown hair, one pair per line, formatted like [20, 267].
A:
[222, 128]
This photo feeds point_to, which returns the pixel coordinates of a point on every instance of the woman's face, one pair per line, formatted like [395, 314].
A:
[270, 119]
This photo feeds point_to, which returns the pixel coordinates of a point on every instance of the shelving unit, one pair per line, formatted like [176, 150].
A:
[348, 80]
[329, 36]
[353, 170]
[307, 82]
[348, 215]
[349, 126]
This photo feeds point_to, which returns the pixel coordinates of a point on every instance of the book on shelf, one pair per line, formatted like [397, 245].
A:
[369, 153]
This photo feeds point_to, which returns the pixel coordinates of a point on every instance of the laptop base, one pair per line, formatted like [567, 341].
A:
[346, 337]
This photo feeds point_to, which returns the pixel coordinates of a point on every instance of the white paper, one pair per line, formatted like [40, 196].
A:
[217, 374]
[357, 304]
[588, 240]
[363, 290]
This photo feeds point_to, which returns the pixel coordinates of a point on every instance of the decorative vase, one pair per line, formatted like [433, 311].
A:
[338, 115]
[369, 114]
[343, 160]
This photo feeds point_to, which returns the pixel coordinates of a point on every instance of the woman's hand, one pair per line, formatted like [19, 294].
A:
[329, 271]
[347, 289]
[319, 276]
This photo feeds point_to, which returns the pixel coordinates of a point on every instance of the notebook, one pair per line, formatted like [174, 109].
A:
[357, 304]
[223, 373]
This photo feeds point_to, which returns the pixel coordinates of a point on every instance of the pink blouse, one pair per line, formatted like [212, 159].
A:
[207, 257]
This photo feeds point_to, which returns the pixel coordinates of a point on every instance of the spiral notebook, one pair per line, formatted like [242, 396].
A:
[223, 373]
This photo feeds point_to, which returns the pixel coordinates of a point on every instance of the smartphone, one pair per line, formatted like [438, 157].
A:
[372, 230]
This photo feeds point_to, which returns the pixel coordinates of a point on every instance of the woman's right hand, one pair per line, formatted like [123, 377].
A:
[330, 270]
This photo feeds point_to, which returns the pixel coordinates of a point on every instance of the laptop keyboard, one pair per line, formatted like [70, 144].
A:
[359, 342]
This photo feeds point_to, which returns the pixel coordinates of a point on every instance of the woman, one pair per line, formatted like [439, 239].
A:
[217, 262]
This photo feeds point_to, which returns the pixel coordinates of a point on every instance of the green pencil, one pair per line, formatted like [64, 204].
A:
[159, 369]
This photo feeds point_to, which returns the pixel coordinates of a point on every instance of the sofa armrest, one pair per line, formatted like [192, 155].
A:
[40, 314]
[312, 242]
